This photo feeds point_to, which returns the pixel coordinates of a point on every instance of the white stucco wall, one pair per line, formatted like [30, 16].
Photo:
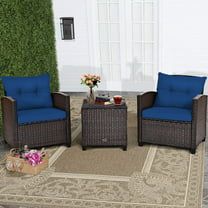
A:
[183, 40]
[183, 37]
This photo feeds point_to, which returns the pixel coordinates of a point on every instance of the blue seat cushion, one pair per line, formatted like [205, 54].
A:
[40, 115]
[170, 114]
[29, 92]
[178, 90]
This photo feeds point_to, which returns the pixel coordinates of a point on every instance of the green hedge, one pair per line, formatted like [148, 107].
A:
[27, 43]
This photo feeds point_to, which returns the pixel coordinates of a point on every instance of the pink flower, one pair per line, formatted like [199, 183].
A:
[34, 157]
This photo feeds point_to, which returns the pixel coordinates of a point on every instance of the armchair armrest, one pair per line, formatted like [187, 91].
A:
[145, 100]
[9, 114]
[199, 97]
[61, 100]
[199, 116]
[9, 109]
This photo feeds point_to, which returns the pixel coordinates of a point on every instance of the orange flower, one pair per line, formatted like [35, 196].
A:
[90, 80]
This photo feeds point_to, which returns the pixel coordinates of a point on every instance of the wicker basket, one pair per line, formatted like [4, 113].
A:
[22, 166]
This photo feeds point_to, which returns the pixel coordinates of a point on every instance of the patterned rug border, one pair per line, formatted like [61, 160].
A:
[192, 199]
[61, 149]
[194, 173]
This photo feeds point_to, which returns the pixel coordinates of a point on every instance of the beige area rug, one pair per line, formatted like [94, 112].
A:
[160, 177]
[105, 161]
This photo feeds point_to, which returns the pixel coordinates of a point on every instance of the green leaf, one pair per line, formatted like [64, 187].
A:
[27, 43]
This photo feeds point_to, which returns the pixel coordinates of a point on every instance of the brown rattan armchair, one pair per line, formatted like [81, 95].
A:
[35, 116]
[36, 134]
[183, 134]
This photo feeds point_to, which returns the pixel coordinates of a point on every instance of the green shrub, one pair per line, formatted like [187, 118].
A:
[27, 42]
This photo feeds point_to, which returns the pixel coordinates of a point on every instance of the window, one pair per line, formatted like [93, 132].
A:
[109, 38]
[144, 37]
[128, 41]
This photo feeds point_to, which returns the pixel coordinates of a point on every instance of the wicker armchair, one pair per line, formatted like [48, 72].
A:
[45, 132]
[158, 128]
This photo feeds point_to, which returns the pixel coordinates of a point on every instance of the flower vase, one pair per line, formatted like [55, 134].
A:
[91, 96]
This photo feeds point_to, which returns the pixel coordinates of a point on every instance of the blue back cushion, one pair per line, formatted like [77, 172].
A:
[29, 92]
[178, 90]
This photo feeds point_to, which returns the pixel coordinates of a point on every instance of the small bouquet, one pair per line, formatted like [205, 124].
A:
[27, 161]
[90, 80]
[34, 157]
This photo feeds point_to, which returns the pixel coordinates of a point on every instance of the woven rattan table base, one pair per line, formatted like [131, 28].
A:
[104, 126]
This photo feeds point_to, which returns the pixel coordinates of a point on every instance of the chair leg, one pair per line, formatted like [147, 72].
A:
[140, 144]
[68, 144]
[193, 150]
[124, 148]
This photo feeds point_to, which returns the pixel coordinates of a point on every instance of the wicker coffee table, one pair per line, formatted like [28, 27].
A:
[104, 125]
